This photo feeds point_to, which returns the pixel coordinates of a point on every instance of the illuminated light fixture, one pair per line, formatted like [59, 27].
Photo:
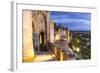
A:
[57, 37]
[78, 49]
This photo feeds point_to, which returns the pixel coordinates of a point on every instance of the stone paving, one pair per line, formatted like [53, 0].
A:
[43, 57]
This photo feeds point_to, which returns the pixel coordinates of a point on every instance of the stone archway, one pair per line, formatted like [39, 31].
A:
[42, 44]
[41, 19]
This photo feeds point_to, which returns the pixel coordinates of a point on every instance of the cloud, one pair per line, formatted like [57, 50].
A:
[73, 15]
[79, 27]
[73, 20]
[60, 16]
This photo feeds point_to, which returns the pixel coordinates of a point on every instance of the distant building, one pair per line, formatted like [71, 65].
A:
[62, 33]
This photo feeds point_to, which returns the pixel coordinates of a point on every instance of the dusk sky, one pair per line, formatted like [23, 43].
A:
[72, 20]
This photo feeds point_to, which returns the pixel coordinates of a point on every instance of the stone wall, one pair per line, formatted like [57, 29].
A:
[35, 22]
[52, 32]
[28, 51]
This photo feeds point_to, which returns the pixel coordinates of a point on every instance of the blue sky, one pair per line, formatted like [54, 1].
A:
[72, 20]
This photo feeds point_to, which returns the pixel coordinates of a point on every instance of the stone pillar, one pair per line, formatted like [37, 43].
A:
[52, 32]
[28, 51]
[68, 36]
[48, 26]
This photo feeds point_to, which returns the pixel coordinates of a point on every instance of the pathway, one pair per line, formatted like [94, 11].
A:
[44, 56]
